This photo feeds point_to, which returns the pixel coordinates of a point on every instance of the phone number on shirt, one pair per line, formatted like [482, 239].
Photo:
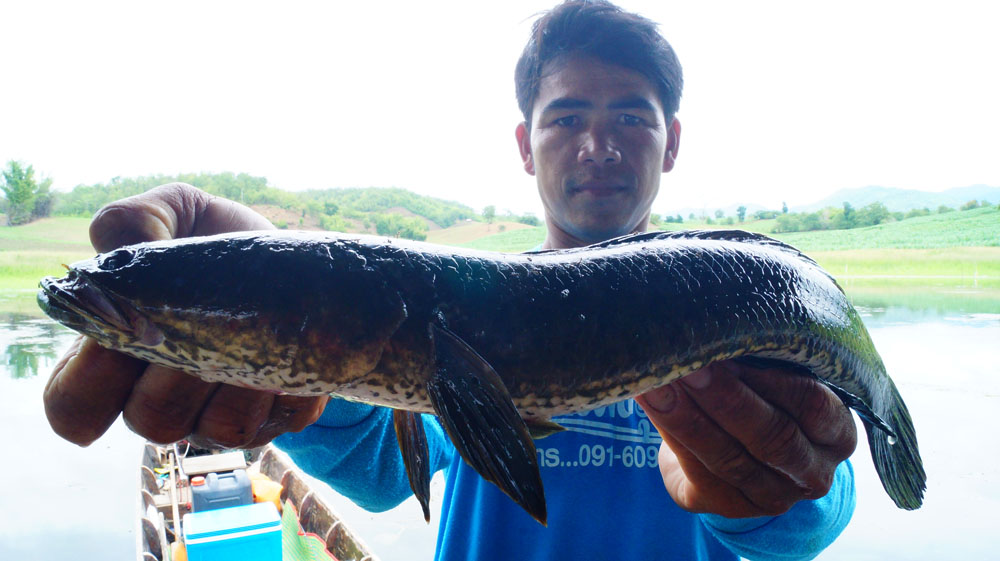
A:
[595, 455]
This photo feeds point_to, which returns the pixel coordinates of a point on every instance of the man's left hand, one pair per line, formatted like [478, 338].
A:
[742, 442]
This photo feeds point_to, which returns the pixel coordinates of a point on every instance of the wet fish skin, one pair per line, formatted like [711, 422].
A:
[552, 332]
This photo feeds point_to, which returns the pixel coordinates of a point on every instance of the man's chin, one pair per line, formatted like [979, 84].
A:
[598, 232]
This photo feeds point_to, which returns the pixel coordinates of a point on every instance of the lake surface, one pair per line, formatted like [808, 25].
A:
[940, 346]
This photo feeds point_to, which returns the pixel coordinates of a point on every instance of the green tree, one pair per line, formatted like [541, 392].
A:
[788, 223]
[333, 223]
[811, 222]
[784, 207]
[391, 224]
[489, 213]
[870, 215]
[846, 219]
[719, 214]
[970, 205]
[765, 214]
[741, 212]
[24, 197]
[529, 219]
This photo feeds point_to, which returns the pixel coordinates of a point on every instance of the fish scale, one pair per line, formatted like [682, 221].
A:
[494, 344]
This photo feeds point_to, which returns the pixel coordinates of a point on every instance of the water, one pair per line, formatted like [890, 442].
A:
[59, 501]
[63, 501]
[945, 365]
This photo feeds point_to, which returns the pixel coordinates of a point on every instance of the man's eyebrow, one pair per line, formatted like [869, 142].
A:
[632, 102]
[567, 103]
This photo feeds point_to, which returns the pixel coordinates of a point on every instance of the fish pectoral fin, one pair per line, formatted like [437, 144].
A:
[861, 408]
[413, 445]
[850, 400]
[479, 416]
[540, 428]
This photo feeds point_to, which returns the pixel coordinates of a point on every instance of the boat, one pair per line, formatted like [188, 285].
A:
[165, 496]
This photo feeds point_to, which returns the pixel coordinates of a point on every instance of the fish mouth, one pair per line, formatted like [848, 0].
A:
[82, 305]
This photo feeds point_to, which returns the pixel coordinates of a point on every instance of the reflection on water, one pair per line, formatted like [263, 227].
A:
[31, 343]
[924, 301]
[939, 347]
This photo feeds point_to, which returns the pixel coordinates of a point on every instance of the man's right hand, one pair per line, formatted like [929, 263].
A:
[91, 385]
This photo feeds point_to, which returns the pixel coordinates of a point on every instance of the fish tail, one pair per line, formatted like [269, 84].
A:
[896, 456]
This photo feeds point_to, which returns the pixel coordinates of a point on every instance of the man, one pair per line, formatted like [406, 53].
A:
[754, 452]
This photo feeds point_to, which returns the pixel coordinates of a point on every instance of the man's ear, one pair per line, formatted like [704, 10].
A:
[673, 144]
[524, 145]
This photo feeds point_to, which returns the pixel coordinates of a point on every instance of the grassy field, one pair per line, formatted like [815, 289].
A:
[32, 251]
[509, 242]
[472, 230]
[977, 227]
[48, 234]
[969, 263]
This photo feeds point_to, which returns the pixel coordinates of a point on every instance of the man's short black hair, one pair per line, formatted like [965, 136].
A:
[604, 31]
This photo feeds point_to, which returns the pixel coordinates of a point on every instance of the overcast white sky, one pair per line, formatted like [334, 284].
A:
[784, 101]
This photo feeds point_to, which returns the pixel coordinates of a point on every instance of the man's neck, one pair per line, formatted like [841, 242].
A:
[556, 238]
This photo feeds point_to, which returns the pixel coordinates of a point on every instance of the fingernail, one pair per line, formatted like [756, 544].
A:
[699, 380]
[662, 399]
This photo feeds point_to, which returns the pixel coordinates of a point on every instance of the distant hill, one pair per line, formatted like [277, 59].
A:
[894, 199]
[905, 199]
[371, 209]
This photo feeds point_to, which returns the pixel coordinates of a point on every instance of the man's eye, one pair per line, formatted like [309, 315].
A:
[567, 121]
[630, 120]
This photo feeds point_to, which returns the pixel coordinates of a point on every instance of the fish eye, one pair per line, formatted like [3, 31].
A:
[116, 260]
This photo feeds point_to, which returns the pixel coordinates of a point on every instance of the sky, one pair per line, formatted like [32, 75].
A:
[783, 101]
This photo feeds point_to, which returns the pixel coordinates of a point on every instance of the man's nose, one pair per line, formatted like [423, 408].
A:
[598, 147]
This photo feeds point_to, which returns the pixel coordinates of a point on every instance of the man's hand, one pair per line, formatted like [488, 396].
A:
[742, 442]
[91, 385]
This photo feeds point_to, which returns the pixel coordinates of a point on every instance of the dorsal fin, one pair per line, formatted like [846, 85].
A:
[722, 235]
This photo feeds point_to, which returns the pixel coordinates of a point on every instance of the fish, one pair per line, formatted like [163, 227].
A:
[494, 344]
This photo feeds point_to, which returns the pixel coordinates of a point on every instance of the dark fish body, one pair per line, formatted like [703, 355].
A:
[426, 329]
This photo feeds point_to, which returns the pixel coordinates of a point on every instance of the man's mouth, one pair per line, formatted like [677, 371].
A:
[597, 189]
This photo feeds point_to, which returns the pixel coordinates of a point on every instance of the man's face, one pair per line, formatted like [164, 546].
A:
[598, 143]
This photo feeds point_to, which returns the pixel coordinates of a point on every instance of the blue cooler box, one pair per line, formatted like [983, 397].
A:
[240, 533]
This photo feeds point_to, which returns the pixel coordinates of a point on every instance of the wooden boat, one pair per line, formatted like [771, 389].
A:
[164, 497]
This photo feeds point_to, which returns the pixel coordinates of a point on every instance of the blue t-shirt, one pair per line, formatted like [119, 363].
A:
[604, 493]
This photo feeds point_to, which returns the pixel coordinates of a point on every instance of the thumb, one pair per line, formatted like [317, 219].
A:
[174, 210]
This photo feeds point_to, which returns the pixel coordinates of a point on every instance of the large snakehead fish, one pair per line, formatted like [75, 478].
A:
[493, 344]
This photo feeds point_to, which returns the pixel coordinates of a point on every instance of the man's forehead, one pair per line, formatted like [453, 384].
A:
[580, 82]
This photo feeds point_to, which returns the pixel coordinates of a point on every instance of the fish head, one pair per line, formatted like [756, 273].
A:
[231, 308]
[153, 301]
